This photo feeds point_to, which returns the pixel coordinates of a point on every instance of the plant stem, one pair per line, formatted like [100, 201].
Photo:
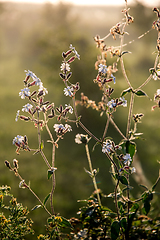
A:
[130, 115]
[28, 187]
[81, 124]
[106, 127]
[93, 177]
[53, 179]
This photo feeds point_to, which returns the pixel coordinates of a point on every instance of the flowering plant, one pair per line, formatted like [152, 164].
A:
[95, 221]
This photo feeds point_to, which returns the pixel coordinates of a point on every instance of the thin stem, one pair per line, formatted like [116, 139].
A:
[53, 161]
[145, 83]
[45, 159]
[106, 127]
[53, 179]
[117, 128]
[116, 202]
[28, 187]
[149, 78]
[130, 115]
[81, 124]
[93, 177]
[124, 72]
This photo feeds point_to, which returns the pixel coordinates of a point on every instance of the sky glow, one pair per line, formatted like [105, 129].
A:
[153, 3]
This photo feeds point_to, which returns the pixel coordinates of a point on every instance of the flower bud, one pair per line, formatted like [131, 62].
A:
[24, 118]
[15, 163]
[69, 75]
[71, 60]
[7, 164]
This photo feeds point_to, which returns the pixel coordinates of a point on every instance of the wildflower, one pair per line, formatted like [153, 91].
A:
[133, 170]
[112, 103]
[114, 79]
[65, 67]
[27, 107]
[74, 51]
[107, 147]
[68, 91]
[124, 101]
[24, 93]
[36, 80]
[127, 159]
[18, 139]
[42, 89]
[17, 115]
[60, 128]
[102, 69]
[81, 138]
[69, 108]
[22, 184]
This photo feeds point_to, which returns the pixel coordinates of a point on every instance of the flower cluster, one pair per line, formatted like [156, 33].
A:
[21, 142]
[110, 147]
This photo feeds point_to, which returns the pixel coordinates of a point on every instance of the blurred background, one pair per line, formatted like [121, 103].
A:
[33, 36]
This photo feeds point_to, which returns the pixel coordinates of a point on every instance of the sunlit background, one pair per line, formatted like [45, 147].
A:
[88, 2]
[33, 36]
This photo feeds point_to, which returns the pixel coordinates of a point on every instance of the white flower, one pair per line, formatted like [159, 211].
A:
[155, 76]
[18, 139]
[158, 92]
[68, 91]
[61, 129]
[102, 68]
[74, 51]
[112, 103]
[127, 159]
[114, 79]
[124, 101]
[41, 88]
[68, 127]
[21, 184]
[69, 108]
[27, 107]
[133, 170]
[17, 115]
[81, 138]
[33, 76]
[24, 93]
[65, 67]
[107, 147]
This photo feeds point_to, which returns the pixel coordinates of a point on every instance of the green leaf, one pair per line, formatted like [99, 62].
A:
[134, 208]
[115, 229]
[141, 185]
[140, 93]
[146, 207]
[65, 223]
[50, 173]
[36, 207]
[154, 186]
[124, 52]
[46, 198]
[123, 223]
[126, 91]
[42, 145]
[130, 148]
[123, 180]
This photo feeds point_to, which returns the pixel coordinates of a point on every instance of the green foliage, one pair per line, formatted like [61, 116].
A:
[14, 223]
